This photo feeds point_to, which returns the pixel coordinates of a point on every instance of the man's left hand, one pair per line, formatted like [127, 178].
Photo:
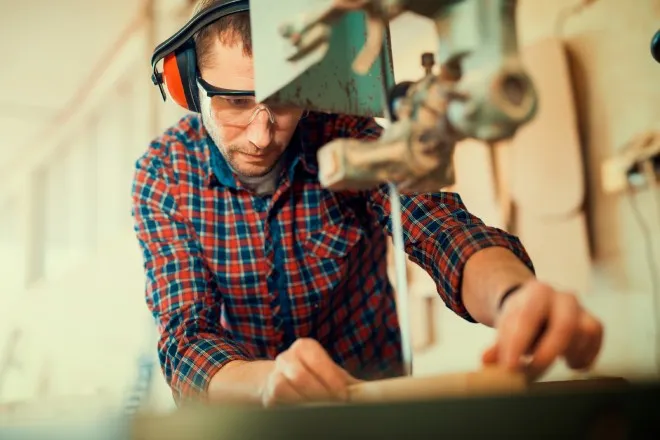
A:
[540, 322]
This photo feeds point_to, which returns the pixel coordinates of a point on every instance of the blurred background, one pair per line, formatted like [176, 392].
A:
[77, 108]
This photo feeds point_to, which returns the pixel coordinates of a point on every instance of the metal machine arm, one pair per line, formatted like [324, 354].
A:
[482, 92]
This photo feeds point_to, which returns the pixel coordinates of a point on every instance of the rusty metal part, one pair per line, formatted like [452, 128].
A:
[479, 49]
[428, 61]
[309, 31]
[415, 152]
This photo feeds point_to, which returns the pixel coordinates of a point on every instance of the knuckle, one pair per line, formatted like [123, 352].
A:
[302, 345]
[542, 288]
[566, 326]
[281, 361]
[297, 375]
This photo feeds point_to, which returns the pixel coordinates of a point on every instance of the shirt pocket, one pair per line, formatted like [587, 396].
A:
[334, 241]
[332, 253]
[337, 229]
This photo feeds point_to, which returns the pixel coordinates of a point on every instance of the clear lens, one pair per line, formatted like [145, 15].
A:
[241, 111]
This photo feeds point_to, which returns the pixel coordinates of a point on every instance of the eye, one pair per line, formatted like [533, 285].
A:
[239, 102]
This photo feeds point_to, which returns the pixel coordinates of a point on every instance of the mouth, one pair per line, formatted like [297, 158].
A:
[255, 158]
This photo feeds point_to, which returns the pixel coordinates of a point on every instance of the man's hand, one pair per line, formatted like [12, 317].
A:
[305, 372]
[541, 322]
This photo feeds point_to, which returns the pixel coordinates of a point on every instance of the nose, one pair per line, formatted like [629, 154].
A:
[260, 131]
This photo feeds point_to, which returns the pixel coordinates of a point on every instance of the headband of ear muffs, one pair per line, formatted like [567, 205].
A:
[180, 69]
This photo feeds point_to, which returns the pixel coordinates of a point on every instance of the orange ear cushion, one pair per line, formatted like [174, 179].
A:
[173, 81]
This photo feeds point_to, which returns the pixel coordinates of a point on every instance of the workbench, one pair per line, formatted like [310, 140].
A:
[608, 409]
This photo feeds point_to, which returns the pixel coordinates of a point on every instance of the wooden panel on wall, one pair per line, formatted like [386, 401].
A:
[547, 169]
[547, 177]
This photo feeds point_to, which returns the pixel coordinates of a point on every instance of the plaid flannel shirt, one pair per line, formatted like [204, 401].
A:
[231, 275]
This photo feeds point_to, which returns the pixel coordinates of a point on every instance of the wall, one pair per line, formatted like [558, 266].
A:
[72, 283]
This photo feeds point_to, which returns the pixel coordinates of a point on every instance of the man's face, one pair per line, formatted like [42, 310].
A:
[250, 137]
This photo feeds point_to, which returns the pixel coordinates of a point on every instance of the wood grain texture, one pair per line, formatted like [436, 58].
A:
[488, 381]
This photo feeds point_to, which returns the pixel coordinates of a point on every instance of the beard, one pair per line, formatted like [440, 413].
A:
[229, 151]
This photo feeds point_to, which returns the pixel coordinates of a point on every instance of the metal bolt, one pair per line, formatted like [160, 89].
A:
[428, 61]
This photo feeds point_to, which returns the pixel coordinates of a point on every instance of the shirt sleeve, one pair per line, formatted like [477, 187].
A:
[179, 290]
[440, 234]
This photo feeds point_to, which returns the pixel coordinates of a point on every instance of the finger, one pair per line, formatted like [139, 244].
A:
[584, 349]
[577, 350]
[489, 357]
[562, 327]
[325, 370]
[520, 326]
[299, 377]
[279, 390]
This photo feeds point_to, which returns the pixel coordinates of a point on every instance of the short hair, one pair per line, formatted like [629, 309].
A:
[230, 30]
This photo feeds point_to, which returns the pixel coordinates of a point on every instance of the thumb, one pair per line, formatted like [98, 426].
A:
[489, 356]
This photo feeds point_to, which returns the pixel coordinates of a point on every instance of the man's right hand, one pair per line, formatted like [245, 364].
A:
[305, 373]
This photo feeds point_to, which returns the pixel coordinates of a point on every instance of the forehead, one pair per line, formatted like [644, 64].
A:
[229, 67]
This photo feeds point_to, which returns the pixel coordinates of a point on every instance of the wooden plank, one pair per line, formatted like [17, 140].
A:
[488, 381]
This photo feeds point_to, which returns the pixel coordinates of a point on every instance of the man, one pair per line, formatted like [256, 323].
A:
[271, 289]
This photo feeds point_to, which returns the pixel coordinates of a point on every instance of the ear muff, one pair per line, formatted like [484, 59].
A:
[179, 57]
[180, 77]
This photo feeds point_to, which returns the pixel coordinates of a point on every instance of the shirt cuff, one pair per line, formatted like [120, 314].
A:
[199, 363]
[450, 252]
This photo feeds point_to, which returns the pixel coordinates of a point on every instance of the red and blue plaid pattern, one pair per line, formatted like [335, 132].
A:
[231, 275]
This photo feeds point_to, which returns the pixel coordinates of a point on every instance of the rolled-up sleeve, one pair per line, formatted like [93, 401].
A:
[441, 235]
[179, 289]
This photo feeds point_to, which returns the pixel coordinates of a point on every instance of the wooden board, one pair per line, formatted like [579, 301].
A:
[559, 249]
[547, 169]
[488, 381]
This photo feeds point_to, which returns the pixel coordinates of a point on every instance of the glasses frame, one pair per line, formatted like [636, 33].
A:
[212, 90]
